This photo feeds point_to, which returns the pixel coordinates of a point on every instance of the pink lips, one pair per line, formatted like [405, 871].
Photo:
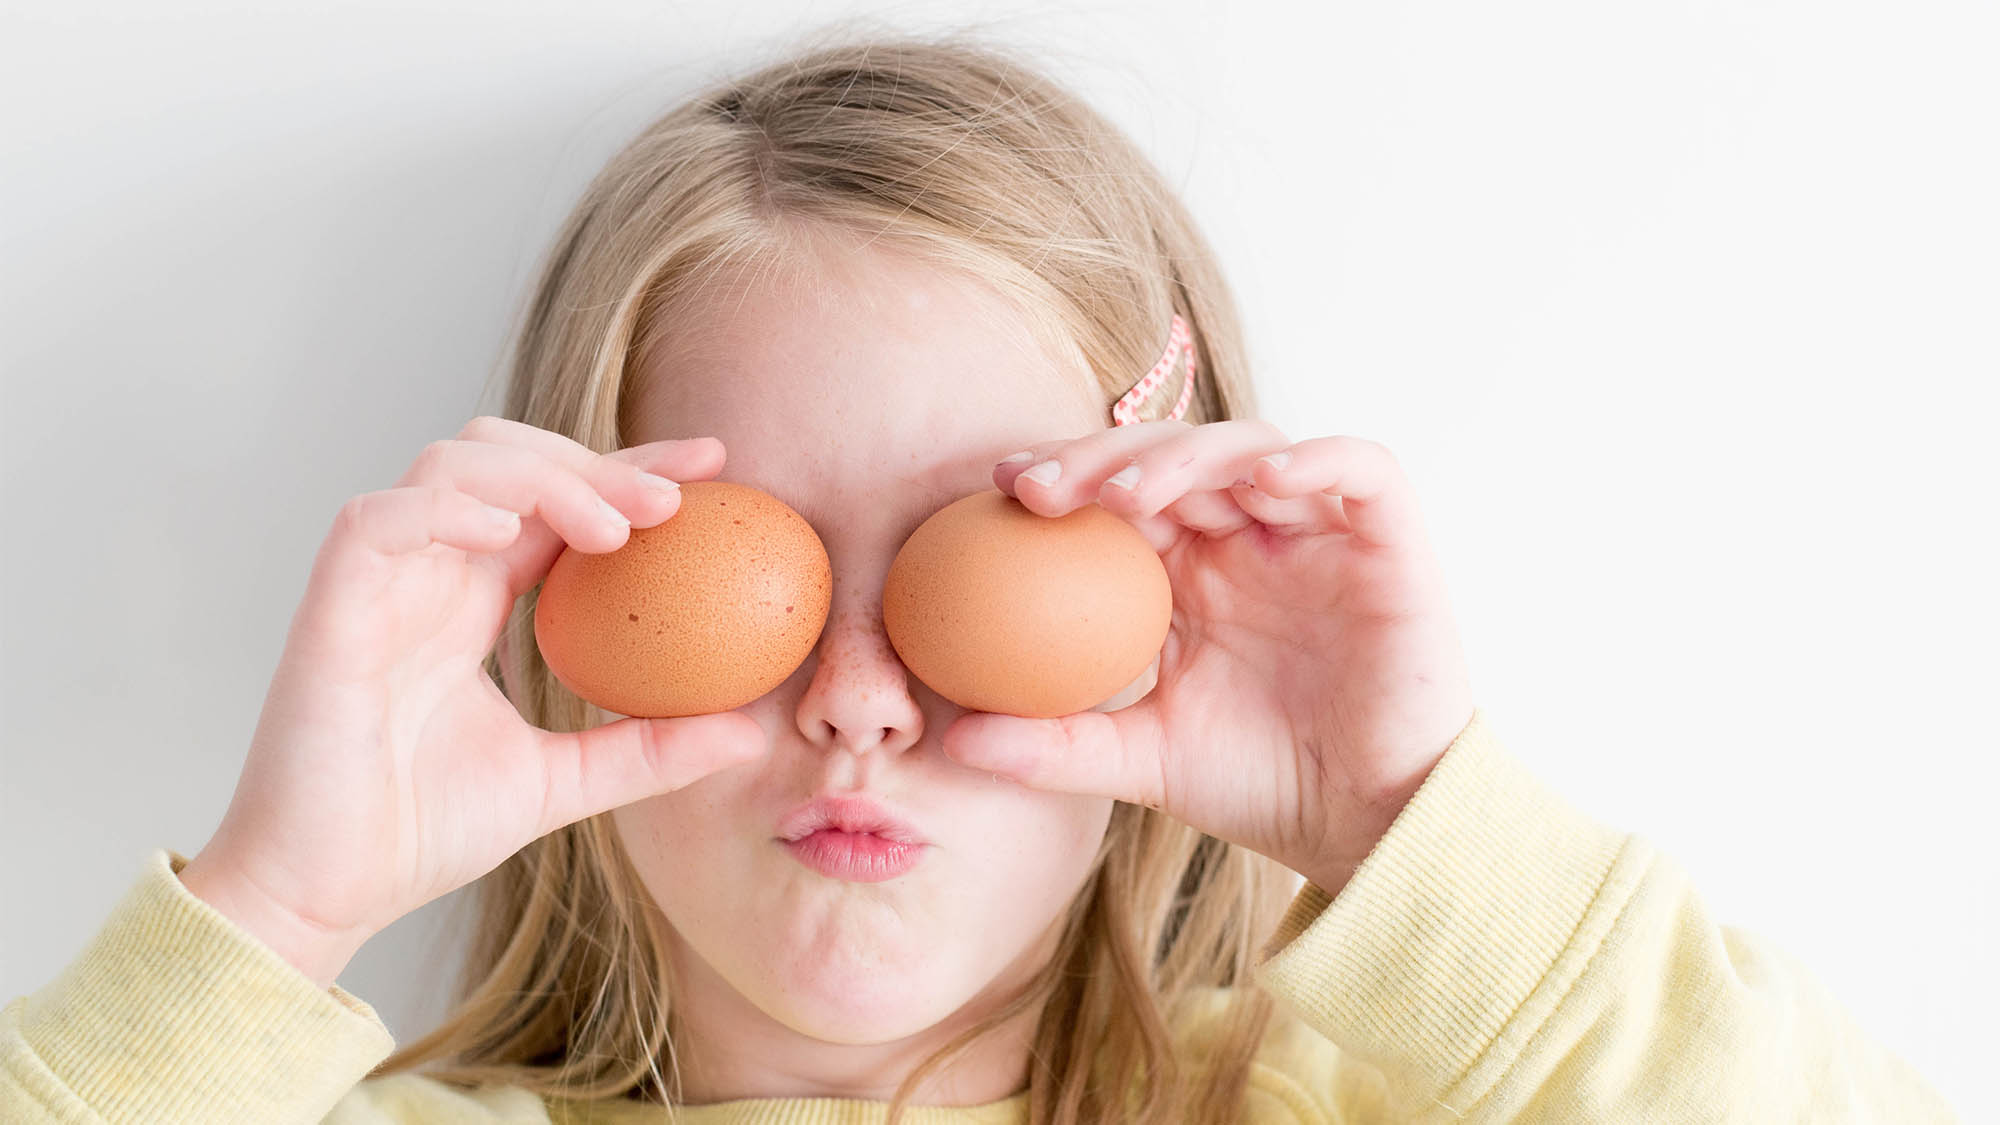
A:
[851, 838]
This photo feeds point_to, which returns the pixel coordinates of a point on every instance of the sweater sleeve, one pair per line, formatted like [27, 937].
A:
[1501, 957]
[172, 1013]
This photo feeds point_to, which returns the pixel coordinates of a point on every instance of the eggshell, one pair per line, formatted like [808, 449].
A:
[704, 612]
[1000, 609]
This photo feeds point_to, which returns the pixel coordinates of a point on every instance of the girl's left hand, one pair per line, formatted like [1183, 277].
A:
[1312, 675]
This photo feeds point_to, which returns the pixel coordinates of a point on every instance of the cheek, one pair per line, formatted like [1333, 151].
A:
[676, 842]
[1044, 849]
[679, 840]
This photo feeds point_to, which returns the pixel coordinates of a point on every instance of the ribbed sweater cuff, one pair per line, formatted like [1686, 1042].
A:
[1461, 931]
[172, 1013]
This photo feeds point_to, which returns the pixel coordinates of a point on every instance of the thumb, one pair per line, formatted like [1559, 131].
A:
[631, 759]
[1101, 754]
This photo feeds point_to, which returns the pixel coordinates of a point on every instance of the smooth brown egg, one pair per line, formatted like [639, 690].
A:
[704, 612]
[1000, 609]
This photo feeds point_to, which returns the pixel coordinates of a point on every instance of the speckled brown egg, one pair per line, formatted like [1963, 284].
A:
[1000, 609]
[704, 612]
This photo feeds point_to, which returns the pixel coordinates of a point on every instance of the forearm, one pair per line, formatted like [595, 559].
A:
[173, 1014]
[1500, 956]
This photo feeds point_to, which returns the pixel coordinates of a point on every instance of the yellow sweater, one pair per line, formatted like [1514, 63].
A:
[1499, 957]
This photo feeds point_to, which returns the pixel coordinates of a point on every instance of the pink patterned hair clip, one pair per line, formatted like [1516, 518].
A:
[1125, 411]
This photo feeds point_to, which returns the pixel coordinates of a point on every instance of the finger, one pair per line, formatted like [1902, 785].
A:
[1097, 753]
[399, 521]
[1375, 496]
[1210, 457]
[373, 531]
[1315, 514]
[1014, 465]
[394, 522]
[566, 489]
[675, 458]
[588, 772]
[1212, 512]
[1065, 475]
[522, 480]
[620, 476]
[528, 561]
[1162, 532]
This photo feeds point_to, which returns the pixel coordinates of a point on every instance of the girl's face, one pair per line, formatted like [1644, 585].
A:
[867, 398]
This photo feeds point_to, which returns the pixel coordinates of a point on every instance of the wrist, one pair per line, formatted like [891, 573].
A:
[1369, 819]
[1331, 878]
[316, 950]
[1334, 869]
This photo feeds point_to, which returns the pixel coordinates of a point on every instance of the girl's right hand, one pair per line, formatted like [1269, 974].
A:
[387, 767]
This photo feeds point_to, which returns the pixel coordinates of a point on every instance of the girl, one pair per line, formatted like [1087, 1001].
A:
[872, 279]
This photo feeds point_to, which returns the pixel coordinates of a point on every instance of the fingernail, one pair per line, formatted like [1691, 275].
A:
[1126, 478]
[612, 513]
[1015, 459]
[1278, 460]
[1044, 473]
[658, 483]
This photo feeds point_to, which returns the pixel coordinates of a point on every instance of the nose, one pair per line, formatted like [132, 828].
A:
[859, 696]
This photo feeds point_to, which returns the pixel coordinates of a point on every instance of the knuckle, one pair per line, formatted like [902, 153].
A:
[439, 502]
[485, 427]
[433, 456]
[657, 756]
[575, 487]
[353, 514]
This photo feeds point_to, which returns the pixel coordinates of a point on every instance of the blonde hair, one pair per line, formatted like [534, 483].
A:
[953, 150]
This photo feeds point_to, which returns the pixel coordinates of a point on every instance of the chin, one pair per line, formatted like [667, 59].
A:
[858, 1000]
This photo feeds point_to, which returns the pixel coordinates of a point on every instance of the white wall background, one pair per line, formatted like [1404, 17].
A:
[1685, 319]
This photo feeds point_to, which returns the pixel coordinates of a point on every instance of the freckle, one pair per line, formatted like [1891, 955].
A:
[738, 523]
[631, 617]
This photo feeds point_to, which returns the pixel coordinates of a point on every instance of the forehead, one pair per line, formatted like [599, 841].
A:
[862, 371]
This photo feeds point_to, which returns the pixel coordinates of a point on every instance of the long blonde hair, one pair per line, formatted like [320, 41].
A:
[955, 150]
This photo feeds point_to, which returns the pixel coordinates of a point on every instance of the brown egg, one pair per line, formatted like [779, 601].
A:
[999, 609]
[704, 612]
